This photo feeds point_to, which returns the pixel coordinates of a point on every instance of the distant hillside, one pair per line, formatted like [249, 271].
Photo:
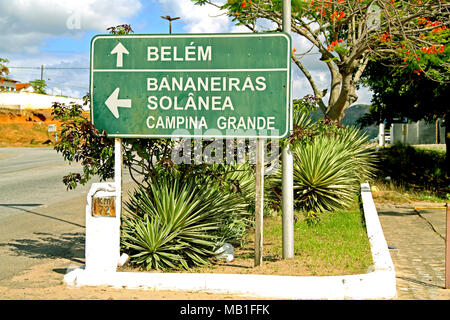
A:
[352, 114]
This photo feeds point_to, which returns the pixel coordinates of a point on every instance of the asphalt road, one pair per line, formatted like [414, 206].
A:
[31, 178]
[39, 218]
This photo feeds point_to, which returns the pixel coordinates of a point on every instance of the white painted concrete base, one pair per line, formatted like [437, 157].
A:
[377, 284]
[102, 244]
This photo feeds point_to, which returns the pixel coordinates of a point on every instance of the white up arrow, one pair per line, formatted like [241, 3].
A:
[119, 50]
[113, 103]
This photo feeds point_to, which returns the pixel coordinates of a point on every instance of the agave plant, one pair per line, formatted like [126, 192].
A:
[328, 170]
[355, 142]
[173, 225]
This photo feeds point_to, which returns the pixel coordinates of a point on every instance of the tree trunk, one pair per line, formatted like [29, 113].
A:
[346, 97]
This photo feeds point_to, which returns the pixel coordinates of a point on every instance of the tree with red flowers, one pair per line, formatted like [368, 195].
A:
[347, 34]
[3, 68]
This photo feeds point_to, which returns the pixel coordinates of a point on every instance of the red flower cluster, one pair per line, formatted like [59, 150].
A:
[334, 44]
[385, 37]
[428, 23]
[336, 15]
[439, 29]
[433, 49]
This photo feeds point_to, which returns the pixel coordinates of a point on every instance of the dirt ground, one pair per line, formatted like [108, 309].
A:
[45, 282]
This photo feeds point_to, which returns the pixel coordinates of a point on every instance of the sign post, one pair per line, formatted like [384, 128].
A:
[259, 205]
[447, 246]
[118, 174]
[288, 170]
[192, 86]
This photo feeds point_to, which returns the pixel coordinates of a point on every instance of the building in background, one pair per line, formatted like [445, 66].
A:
[7, 84]
[408, 132]
[25, 87]
[23, 100]
[420, 132]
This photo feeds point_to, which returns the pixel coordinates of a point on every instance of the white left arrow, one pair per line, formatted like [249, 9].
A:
[120, 50]
[113, 103]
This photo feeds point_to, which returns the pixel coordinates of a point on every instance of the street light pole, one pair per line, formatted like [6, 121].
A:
[170, 19]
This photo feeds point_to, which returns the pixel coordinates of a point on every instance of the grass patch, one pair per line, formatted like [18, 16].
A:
[390, 193]
[439, 148]
[337, 245]
[415, 170]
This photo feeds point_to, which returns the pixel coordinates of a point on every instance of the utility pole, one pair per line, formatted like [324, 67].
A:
[42, 72]
[287, 169]
[170, 19]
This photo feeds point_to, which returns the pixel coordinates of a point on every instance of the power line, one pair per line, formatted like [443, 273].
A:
[52, 68]
[52, 83]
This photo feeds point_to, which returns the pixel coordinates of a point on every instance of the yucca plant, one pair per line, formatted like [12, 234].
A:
[356, 143]
[237, 224]
[173, 225]
[328, 170]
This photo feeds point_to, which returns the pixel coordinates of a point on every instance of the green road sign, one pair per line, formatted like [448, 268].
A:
[191, 85]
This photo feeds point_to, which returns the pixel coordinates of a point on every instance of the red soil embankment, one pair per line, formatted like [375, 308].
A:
[27, 128]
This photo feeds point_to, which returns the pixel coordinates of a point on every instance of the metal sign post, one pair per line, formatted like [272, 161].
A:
[118, 174]
[447, 247]
[288, 169]
[259, 205]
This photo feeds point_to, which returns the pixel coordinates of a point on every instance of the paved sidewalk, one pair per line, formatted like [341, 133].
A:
[419, 253]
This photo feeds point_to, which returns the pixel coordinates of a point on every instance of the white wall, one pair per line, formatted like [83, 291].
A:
[421, 132]
[28, 100]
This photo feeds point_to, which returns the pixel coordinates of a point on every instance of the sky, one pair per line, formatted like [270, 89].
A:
[56, 34]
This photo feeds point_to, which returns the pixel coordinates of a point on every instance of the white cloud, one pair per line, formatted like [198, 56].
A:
[207, 18]
[25, 23]
[26, 26]
[364, 96]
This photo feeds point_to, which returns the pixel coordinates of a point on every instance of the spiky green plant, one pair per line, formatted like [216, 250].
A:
[328, 171]
[356, 143]
[173, 225]
[242, 188]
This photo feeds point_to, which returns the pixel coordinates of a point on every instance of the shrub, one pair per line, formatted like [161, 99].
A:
[328, 170]
[173, 225]
[414, 168]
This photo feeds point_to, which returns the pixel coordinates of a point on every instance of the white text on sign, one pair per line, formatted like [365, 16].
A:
[190, 53]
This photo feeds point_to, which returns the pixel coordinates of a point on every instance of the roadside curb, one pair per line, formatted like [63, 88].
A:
[380, 283]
